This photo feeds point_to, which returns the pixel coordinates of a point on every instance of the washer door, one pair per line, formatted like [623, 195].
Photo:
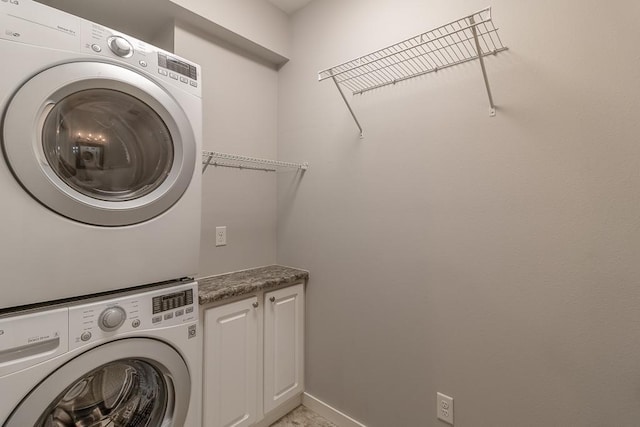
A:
[131, 382]
[99, 143]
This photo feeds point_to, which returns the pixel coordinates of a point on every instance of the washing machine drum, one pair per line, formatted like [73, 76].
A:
[99, 143]
[146, 385]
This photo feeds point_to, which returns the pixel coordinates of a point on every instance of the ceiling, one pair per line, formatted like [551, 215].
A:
[289, 6]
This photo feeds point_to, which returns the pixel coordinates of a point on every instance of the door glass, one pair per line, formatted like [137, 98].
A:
[107, 145]
[127, 393]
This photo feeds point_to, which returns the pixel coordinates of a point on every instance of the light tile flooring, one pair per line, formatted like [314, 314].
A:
[302, 417]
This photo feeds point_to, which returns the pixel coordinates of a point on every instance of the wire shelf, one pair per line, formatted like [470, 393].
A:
[214, 158]
[442, 47]
[463, 40]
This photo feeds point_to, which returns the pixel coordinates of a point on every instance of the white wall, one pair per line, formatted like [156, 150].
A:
[256, 20]
[491, 259]
[240, 117]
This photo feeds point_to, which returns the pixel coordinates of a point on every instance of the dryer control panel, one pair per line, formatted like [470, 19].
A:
[37, 24]
[156, 309]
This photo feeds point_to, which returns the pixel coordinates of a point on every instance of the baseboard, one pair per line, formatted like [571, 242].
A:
[328, 412]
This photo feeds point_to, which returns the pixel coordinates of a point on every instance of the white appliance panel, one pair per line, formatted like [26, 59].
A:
[46, 256]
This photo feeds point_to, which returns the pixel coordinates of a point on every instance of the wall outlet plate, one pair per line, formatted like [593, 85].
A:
[221, 236]
[444, 408]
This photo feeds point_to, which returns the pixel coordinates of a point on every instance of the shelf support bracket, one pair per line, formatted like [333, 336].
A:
[484, 70]
[207, 162]
[344, 98]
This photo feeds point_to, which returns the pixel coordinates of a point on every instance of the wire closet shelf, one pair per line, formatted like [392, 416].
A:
[463, 40]
[214, 158]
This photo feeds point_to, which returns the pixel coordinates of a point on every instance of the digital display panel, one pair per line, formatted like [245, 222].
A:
[177, 66]
[171, 301]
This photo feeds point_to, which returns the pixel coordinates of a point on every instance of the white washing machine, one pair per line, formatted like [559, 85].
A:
[130, 359]
[99, 177]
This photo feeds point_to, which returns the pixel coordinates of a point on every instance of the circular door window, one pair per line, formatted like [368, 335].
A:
[99, 143]
[126, 392]
[131, 382]
[107, 145]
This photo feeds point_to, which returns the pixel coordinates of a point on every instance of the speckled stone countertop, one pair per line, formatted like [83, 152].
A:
[225, 286]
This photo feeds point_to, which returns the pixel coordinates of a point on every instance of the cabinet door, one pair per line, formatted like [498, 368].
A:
[230, 364]
[283, 345]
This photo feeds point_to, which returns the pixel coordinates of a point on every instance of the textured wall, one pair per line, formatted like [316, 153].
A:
[240, 117]
[491, 259]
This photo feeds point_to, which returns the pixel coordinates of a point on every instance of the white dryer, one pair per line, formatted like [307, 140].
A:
[99, 177]
[130, 359]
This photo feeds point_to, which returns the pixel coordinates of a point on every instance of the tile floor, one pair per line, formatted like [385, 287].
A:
[302, 417]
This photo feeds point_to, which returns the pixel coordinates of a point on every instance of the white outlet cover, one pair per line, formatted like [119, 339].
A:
[444, 408]
[221, 236]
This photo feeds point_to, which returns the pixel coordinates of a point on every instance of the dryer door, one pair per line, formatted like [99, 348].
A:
[99, 143]
[130, 382]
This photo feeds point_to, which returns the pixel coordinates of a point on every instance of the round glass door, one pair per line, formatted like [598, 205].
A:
[99, 143]
[122, 393]
[130, 382]
[107, 145]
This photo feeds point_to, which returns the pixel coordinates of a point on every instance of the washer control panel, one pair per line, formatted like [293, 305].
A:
[155, 309]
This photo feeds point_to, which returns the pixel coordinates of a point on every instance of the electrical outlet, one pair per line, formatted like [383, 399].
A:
[444, 408]
[221, 236]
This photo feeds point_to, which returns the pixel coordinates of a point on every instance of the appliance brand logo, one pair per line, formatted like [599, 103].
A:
[66, 30]
[12, 33]
[16, 2]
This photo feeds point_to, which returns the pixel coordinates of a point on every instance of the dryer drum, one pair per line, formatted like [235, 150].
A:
[123, 393]
[99, 144]
[107, 144]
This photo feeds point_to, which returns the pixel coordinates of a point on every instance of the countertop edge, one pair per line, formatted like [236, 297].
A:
[217, 288]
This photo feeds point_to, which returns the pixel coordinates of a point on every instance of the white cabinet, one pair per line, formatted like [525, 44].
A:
[230, 364]
[283, 345]
[253, 358]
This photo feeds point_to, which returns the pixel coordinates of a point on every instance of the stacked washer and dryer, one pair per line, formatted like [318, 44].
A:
[100, 226]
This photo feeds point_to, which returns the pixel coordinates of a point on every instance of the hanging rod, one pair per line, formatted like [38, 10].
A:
[210, 158]
[463, 40]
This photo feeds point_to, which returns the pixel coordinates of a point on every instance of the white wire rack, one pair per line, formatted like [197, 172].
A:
[214, 158]
[463, 40]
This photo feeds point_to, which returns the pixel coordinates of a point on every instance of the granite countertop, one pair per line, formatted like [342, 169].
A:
[224, 286]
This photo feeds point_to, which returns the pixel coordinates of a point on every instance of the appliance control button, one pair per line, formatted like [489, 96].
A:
[194, 84]
[184, 79]
[189, 310]
[120, 46]
[112, 318]
[142, 63]
[168, 316]
[135, 323]
[162, 72]
[96, 48]
[179, 313]
[86, 336]
[174, 76]
[156, 319]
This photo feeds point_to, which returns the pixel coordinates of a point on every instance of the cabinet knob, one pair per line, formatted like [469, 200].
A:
[255, 304]
[272, 299]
